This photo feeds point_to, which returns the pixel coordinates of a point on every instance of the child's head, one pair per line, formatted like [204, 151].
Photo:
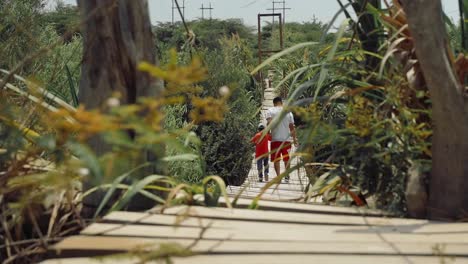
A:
[261, 127]
[277, 101]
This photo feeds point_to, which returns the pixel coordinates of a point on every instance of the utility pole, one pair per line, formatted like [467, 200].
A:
[273, 17]
[210, 8]
[314, 19]
[273, 11]
[206, 8]
[284, 8]
[174, 7]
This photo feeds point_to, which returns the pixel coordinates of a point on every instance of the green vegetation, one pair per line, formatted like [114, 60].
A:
[362, 107]
[44, 153]
[223, 148]
[359, 129]
[226, 148]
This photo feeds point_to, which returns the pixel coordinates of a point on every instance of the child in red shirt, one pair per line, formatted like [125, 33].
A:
[261, 152]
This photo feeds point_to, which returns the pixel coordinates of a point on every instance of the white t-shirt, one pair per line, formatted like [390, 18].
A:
[280, 131]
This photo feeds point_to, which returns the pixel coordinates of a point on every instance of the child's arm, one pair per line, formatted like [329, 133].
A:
[254, 139]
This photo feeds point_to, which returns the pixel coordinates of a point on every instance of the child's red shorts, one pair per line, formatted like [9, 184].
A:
[278, 149]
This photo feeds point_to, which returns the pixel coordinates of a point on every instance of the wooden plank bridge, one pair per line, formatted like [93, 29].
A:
[282, 230]
[278, 232]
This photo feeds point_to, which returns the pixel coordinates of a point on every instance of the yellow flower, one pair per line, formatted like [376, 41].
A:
[207, 109]
[82, 122]
[360, 117]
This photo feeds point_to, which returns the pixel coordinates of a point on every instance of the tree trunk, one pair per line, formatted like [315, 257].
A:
[448, 188]
[117, 37]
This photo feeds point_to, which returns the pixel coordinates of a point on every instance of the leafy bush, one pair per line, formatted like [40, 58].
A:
[207, 33]
[224, 145]
[59, 69]
[361, 129]
[42, 174]
[18, 28]
[191, 171]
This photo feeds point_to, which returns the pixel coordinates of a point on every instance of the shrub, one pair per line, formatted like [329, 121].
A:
[362, 129]
[185, 171]
[41, 173]
[224, 146]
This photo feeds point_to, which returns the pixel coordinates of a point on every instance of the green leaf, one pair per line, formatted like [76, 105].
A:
[296, 73]
[136, 188]
[71, 86]
[221, 185]
[281, 54]
[43, 91]
[332, 21]
[114, 185]
[90, 159]
[330, 56]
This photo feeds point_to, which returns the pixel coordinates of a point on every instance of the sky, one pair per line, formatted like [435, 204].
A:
[247, 10]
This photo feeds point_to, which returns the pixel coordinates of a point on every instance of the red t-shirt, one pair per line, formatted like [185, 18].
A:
[261, 146]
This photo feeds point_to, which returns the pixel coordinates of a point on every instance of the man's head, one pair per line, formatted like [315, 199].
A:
[261, 127]
[277, 101]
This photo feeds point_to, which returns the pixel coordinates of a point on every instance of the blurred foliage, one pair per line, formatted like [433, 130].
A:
[41, 173]
[360, 129]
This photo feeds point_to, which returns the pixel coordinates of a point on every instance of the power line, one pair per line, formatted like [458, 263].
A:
[249, 4]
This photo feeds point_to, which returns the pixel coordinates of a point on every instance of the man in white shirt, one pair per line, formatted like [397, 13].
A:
[282, 132]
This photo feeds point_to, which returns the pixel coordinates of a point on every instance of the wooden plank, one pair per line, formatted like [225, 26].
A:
[192, 219]
[256, 191]
[272, 190]
[274, 259]
[292, 186]
[76, 246]
[269, 195]
[280, 232]
[377, 224]
[301, 207]
[283, 217]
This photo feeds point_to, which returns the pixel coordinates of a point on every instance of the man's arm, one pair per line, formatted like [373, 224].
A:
[292, 130]
[268, 117]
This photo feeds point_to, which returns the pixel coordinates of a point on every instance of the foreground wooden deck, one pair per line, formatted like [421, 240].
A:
[282, 230]
[276, 233]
